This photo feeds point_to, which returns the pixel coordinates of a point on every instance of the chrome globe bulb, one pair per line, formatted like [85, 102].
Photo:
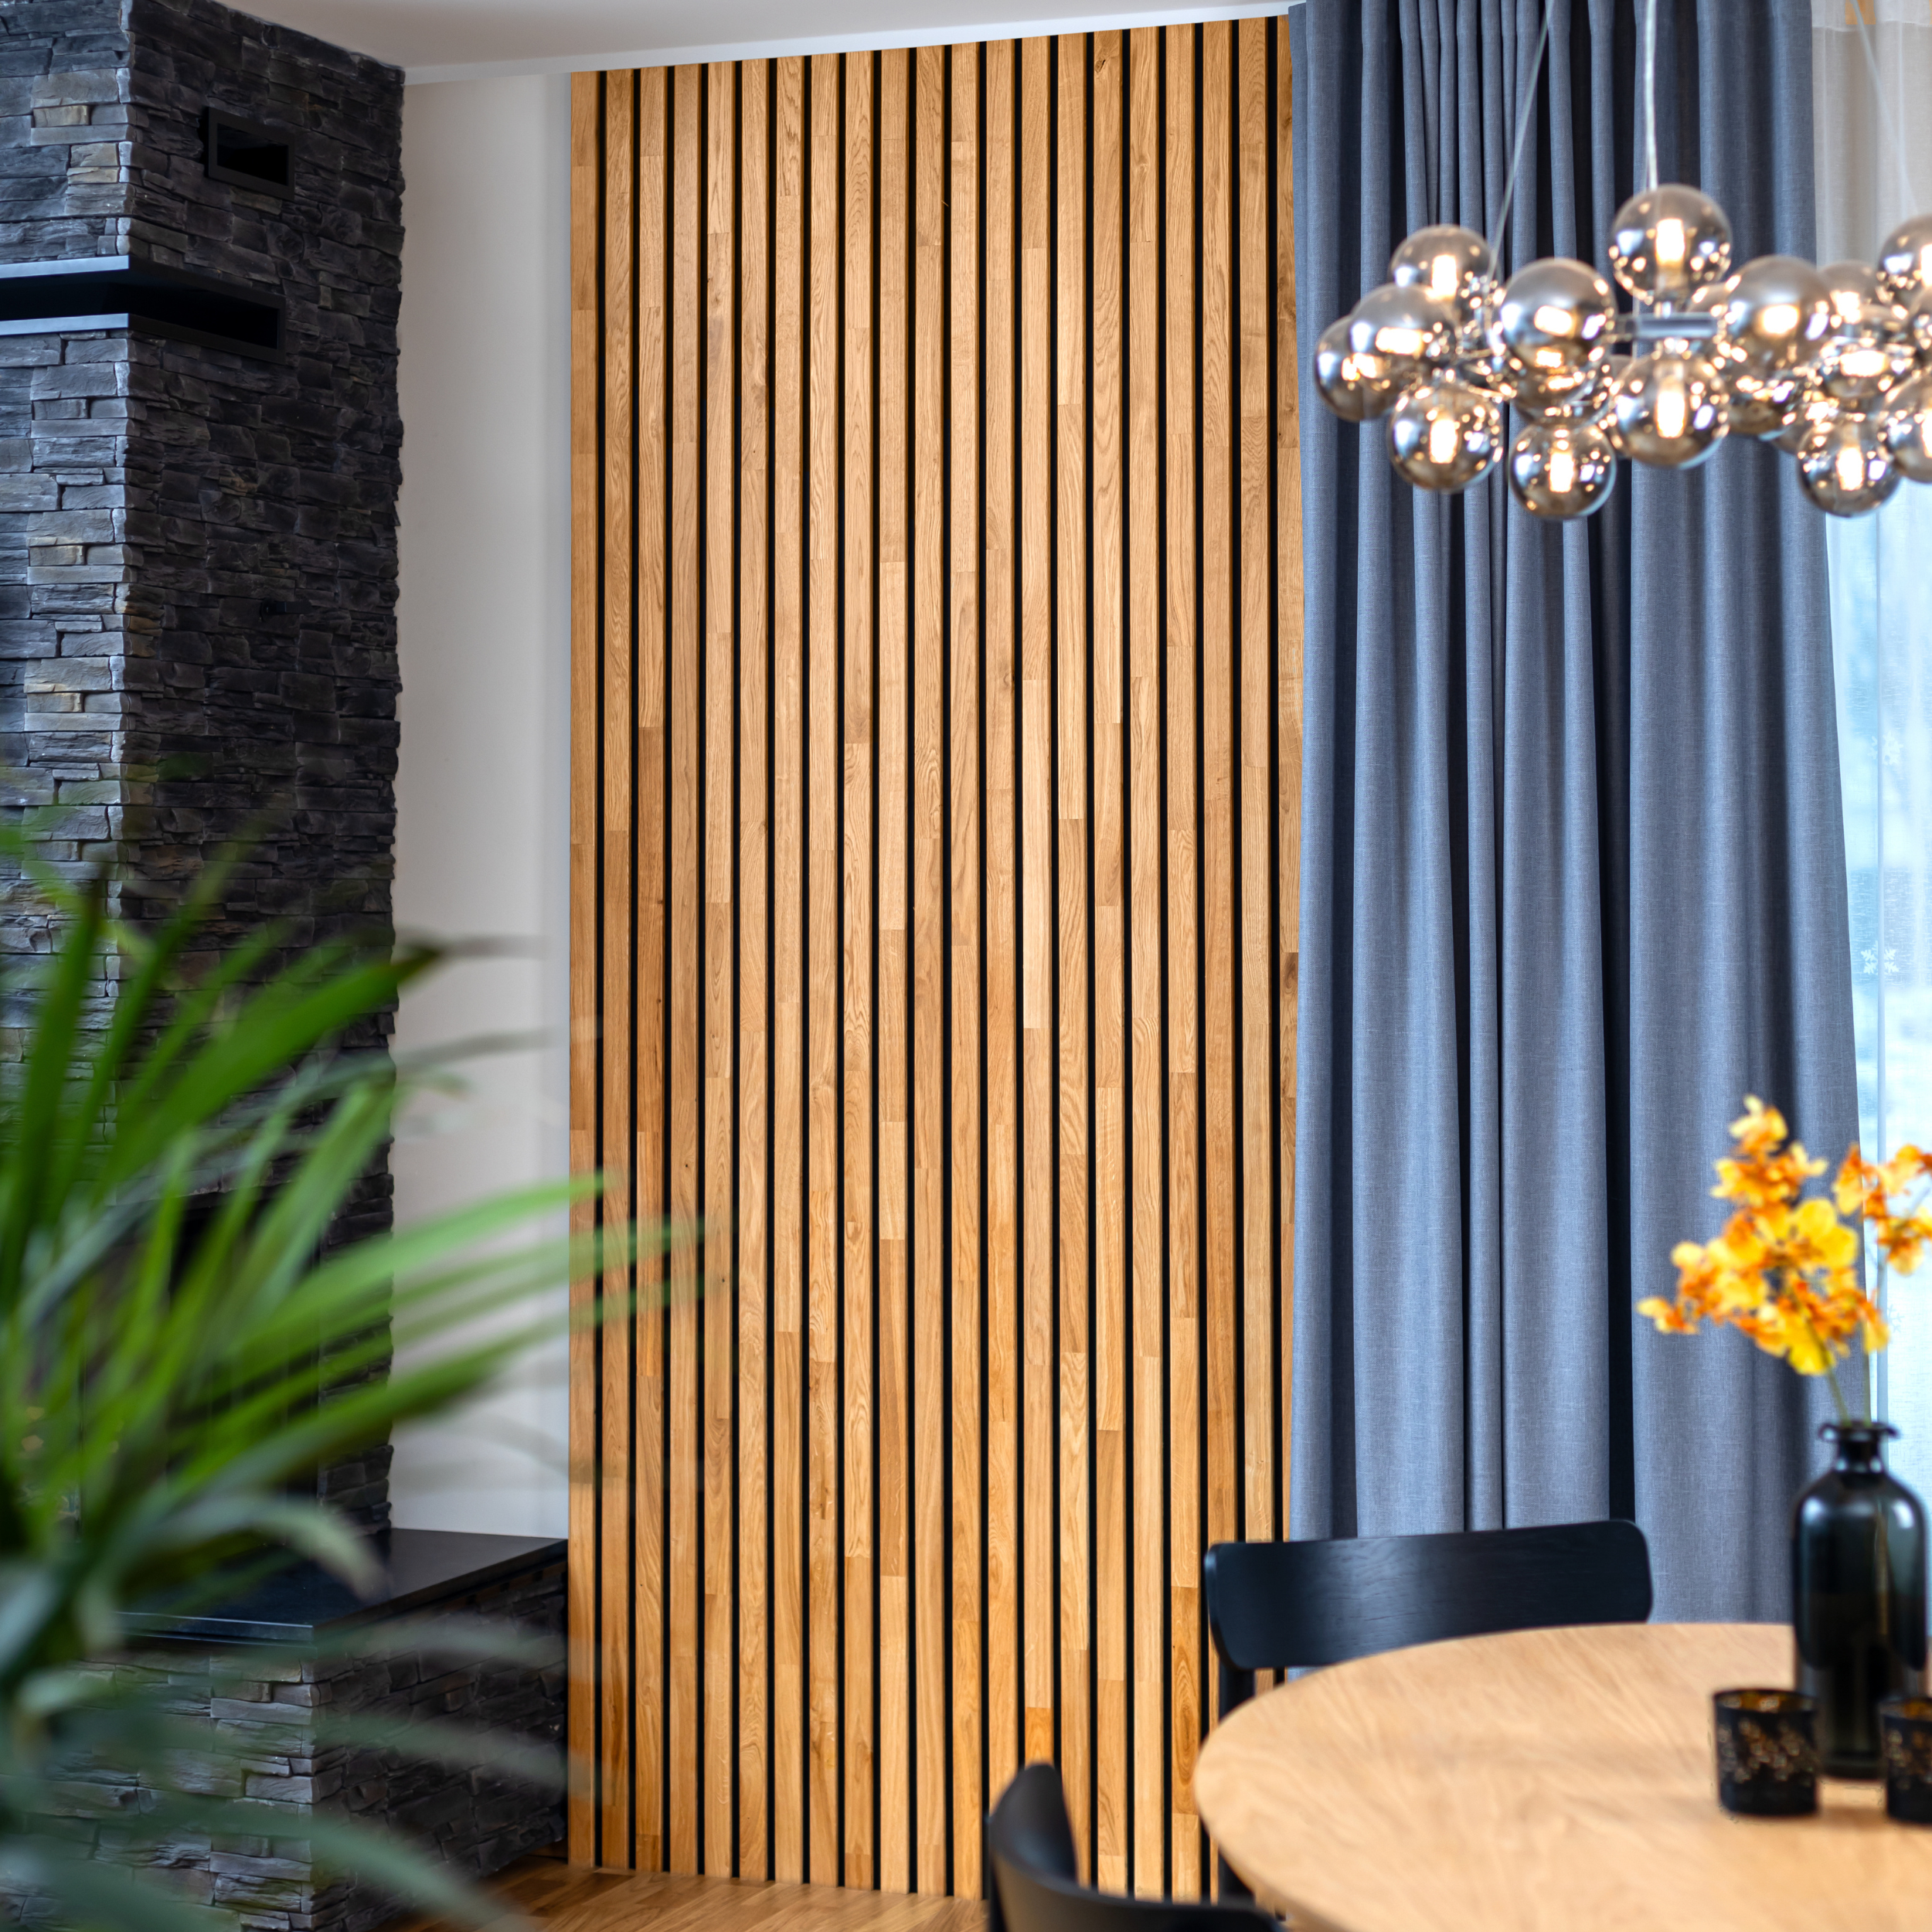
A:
[1561, 398]
[1561, 469]
[1669, 411]
[1554, 327]
[1918, 326]
[1867, 347]
[1408, 331]
[1453, 263]
[1776, 315]
[1355, 387]
[1908, 429]
[1846, 467]
[1766, 409]
[1905, 259]
[1815, 410]
[1665, 244]
[1443, 435]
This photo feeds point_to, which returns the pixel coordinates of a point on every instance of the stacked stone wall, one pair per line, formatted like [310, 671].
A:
[198, 548]
[475, 1820]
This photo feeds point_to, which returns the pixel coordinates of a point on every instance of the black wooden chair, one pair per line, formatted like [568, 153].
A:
[1291, 1606]
[1031, 1881]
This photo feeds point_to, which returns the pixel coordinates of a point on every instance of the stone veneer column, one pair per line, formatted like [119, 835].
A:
[198, 548]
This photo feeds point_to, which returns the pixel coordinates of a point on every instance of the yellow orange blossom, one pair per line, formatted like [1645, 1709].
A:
[1786, 1271]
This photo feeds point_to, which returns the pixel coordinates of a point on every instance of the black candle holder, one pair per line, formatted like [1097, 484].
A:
[1905, 1724]
[1767, 1752]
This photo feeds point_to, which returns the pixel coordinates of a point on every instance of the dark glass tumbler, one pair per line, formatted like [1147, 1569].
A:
[1857, 1595]
[1906, 1723]
[1767, 1752]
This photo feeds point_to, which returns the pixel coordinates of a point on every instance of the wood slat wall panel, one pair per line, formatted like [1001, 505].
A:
[934, 809]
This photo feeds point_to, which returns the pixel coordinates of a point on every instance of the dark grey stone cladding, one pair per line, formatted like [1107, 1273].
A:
[476, 1820]
[197, 549]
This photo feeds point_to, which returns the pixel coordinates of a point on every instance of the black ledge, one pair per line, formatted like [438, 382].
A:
[127, 291]
[421, 1568]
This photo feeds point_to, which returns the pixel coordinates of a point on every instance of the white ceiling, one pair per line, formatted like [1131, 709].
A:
[455, 39]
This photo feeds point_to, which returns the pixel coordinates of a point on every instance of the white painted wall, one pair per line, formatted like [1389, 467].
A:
[482, 794]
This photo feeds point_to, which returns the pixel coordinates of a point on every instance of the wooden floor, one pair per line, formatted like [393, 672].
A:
[571, 1898]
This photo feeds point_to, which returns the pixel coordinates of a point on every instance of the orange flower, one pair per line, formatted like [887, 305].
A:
[1785, 1271]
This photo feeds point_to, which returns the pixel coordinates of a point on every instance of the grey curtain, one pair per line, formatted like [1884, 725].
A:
[1573, 879]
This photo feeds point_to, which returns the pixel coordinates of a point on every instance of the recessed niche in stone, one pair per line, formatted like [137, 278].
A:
[246, 155]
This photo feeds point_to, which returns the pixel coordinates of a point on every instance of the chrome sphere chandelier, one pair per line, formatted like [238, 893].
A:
[1833, 365]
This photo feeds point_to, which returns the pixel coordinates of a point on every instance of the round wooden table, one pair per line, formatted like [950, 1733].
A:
[1561, 1779]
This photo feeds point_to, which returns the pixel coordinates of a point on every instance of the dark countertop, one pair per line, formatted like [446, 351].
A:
[421, 1568]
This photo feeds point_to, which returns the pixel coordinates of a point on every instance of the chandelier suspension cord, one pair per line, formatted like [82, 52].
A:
[1522, 134]
[1906, 185]
[1650, 95]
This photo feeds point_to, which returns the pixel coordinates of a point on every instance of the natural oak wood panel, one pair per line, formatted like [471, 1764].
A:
[587, 898]
[724, 1231]
[933, 1637]
[964, 1288]
[856, 1217]
[1000, 546]
[754, 1286]
[651, 992]
[824, 1438]
[1112, 1616]
[932, 928]
[788, 1219]
[893, 736]
[1147, 1060]
[1219, 1173]
[1181, 616]
[1540, 1778]
[1287, 439]
[1073, 1207]
[1040, 1593]
[685, 918]
[620, 872]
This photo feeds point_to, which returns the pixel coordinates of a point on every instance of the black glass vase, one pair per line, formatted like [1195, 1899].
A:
[1857, 1595]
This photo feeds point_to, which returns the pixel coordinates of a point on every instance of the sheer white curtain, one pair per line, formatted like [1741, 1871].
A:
[1872, 69]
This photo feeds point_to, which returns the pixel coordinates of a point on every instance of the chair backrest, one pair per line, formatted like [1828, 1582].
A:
[1289, 1606]
[1032, 1885]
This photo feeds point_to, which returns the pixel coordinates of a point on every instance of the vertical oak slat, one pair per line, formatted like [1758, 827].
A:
[824, 1436]
[788, 1219]
[1287, 685]
[1147, 870]
[1037, 1404]
[1072, 1206]
[686, 912]
[651, 1144]
[586, 649]
[620, 878]
[723, 1231]
[966, 1287]
[936, 651]
[1111, 1757]
[1219, 1175]
[1256, 805]
[1185, 1446]
[754, 981]
[1000, 819]
[855, 1404]
[892, 730]
[933, 1718]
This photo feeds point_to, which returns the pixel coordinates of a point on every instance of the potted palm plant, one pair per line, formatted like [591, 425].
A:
[181, 1348]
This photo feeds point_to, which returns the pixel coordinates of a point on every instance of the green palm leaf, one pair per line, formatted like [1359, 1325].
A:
[179, 1345]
